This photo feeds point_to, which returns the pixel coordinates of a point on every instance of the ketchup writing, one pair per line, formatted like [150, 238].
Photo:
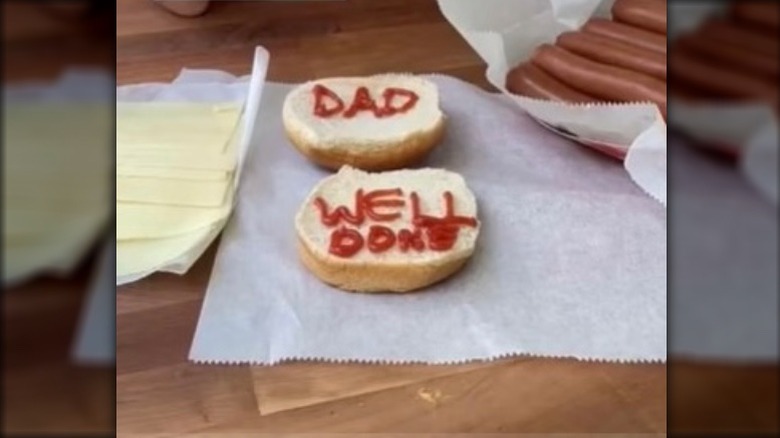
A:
[365, 205]
[441, 233]
[390, 94]
[449, 214]
[345, 242]
[395, 100]
[408, 239]
[361, 102]
[321, 96]
[380, 238]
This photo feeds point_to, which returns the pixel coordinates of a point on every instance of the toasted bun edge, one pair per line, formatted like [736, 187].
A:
[378, 277]
[381, 156]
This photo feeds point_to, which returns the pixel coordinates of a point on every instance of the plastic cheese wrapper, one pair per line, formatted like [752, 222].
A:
[162, 249]
[748, 131]
[506, 32]
[57, 158]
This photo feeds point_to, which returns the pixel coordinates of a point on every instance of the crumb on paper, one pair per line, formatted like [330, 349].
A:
[431, 396]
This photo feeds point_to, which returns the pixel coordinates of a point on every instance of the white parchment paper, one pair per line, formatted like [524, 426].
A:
[571, 259]
[723, 262]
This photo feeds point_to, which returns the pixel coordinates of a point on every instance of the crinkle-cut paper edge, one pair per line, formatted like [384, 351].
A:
[554, 103]
[544, 102]
[336, 361]
[549, 107]
[645, 191]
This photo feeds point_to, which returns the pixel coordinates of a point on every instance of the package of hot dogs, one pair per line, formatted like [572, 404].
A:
[724, 64]
[590, 70]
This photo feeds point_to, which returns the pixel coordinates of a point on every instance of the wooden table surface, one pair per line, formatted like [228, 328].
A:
[44, 392]
[159, 391]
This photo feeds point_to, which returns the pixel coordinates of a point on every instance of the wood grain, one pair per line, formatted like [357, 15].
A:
[297, 385]
[709, 398]
[29, 34]
[306, 40]
[43, 392]
[523, 394]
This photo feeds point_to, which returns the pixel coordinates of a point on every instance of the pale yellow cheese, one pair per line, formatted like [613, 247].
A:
[175, 182]
[57, 187]
[192, 127]
[172, 173]
[38, 223]
[172, 191]
[58, 251]
[140, 256]
[147, 221]
[181, 159]
[181, 136]
[178, 160]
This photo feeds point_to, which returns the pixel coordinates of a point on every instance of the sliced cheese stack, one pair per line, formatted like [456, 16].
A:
[57, 189]
[175, 182]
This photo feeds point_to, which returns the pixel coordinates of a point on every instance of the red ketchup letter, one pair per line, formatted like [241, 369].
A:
[404, 106]
[379, 198]
[442, 232]
[361, 102]
[322, 95]
[410, 240]
[365, 205]
[395, 101]
[345, 242]
[331, 219]
[380, 238]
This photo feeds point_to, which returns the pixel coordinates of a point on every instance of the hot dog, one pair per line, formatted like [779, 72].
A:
[600, 80]
[720, 81]
[627, 34]
[608, 51]
[727, 33]
[751, 63]
[762, 13]
[529, 80]
[647, 14]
